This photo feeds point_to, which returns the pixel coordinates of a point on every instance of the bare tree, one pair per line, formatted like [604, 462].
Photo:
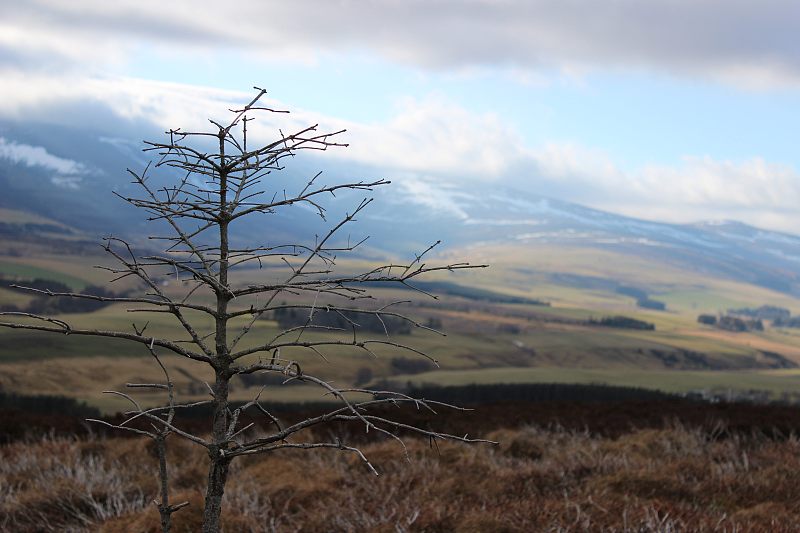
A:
[219, 180]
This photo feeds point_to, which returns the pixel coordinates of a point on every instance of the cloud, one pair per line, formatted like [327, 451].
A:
[435, 149]
[695, 189]
[434, 135]
[747, 42]
[67, 172]
[430, 193]
[751, 190]
[37, 156]
[429, 135]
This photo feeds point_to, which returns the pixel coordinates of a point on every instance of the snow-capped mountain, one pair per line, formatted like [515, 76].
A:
[68, 174]
[726, 249]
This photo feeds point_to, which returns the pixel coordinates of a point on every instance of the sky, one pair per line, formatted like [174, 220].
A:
[669, 110]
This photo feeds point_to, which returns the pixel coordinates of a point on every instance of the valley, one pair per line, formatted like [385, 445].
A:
[535, 316]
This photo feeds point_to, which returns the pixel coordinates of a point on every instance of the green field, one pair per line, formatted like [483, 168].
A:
[681, 381]
[28, 271]
[486, 341]
[528, 272]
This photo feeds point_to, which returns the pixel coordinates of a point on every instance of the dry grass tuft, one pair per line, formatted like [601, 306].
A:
[672, 479]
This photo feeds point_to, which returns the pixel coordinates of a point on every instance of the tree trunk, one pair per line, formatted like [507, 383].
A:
[163, 506]
[218, 469]
[217, 476]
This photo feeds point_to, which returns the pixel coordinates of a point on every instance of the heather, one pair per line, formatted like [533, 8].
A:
[669, 475]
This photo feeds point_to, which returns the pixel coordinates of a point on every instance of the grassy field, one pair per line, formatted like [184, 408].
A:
[53, 271]
[81, 367]
[680, 381]
[86, 378]
[528, 271]
[486, 341]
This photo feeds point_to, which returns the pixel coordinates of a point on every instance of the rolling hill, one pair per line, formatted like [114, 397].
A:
[585, 263]
[67, 175]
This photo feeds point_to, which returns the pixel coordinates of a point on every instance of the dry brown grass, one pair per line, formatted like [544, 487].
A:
[674, 479]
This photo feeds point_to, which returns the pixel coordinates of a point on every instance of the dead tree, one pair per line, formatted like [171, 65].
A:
[219, 180]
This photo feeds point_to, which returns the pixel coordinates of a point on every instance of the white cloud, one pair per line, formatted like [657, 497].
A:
[433, 194]
[66, 182]
[431, 142]
[751, 43]
[67, 173]
[37, 156]
[429, 135]
[433, 135]
[576, 165]
[751, 190]
[703, 180]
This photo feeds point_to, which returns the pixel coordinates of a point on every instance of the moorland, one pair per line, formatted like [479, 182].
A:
[542, 314]
[666, 464]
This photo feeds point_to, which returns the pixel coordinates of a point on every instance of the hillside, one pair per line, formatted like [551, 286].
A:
[573, 294]
[529, 318]
[76, 169]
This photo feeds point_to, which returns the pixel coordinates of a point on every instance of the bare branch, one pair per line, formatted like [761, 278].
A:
[222, 177]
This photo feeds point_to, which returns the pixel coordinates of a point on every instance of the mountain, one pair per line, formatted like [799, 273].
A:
[66, 174]
[726, 249]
